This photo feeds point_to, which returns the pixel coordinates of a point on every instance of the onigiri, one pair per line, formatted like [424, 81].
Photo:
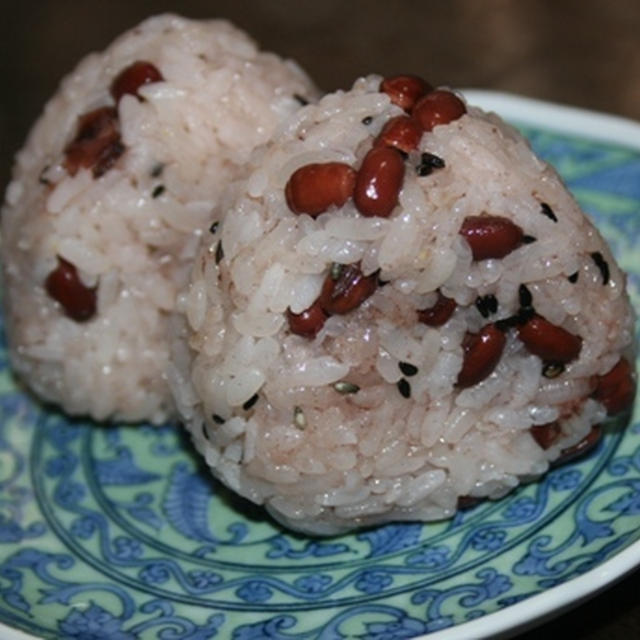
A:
[402, 311]
[118, 180]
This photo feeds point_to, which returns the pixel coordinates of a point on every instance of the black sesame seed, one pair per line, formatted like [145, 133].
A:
[219, 252]
[41, 178]
[431, 159]
[301, 99]
[336, 270]
[214, 227]
[484, 312]
[505, 324]
[429, 162]
[487, 305]
[524, 295]
[157, 170]
[548, 211]
[404, 154]
[407, 368]
[524, 315]
[602, 264]
[528, 239]
[573, 278]
[158, 191]
[250, 402]
[218, 419]
[404, 388]
[345, 387]
[204, 431]
[552, 369]
[367, 120]
[299, 419]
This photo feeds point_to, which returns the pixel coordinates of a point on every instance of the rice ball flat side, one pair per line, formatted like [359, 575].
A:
[110, 195]
[404, 310]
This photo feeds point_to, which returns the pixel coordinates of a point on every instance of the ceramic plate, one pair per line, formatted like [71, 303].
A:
[119, 534]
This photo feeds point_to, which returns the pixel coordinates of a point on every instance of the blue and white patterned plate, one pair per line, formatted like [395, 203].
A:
[119, 533]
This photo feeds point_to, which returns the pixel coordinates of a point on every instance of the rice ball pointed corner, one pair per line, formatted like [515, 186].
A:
[405, 311]
[118, 180]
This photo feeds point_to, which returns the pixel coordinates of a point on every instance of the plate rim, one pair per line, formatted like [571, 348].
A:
[586, 124]
[547, 605]
[557, 117]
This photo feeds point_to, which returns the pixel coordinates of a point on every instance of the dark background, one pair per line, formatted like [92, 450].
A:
[579, 52]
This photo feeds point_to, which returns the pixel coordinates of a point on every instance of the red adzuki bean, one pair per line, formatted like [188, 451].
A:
[482, 353]
[313, 188]
[467, 502]
[378, 182]
[348, 291]
[64, 285]
[617, 388]
[97, 144]
[439, 313]
[400, 132]
[307, 323]
[130, 79]
[491, 236]
[438, 107]
[545, 434]
[405, 90]
[549, 341]
[581, 448]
